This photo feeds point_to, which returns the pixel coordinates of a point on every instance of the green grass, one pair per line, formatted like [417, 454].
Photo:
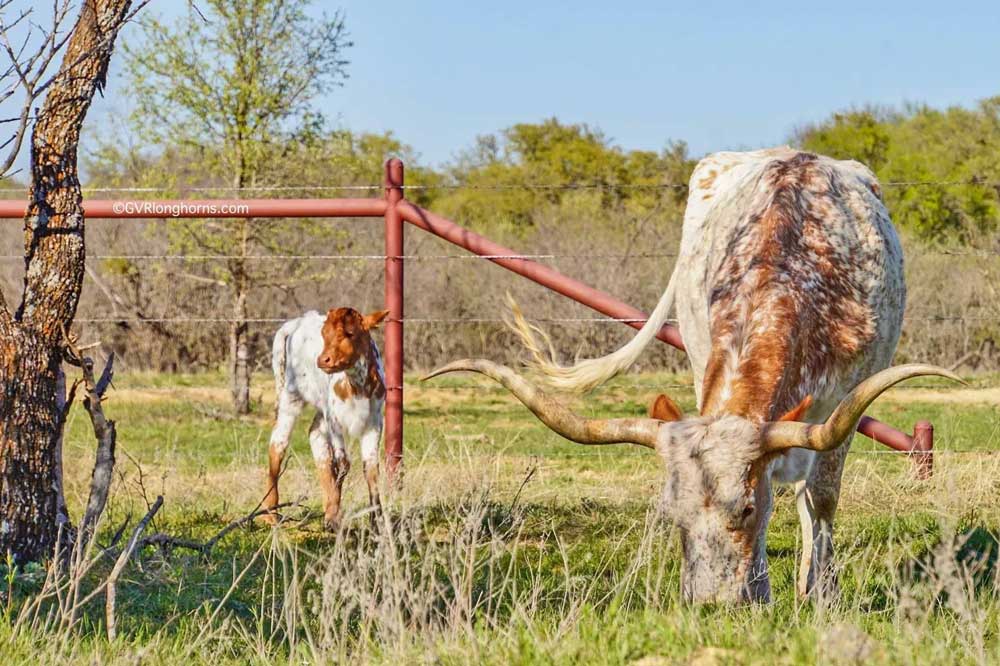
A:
[508, 545]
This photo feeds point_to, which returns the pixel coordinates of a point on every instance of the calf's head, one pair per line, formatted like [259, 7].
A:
[346, 338]
[716, 489]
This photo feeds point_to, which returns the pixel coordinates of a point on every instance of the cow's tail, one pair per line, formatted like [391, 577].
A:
[589, 373]
[279, 357]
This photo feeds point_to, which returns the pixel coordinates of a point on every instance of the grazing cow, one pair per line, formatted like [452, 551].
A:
[334, 365]
[789, 291]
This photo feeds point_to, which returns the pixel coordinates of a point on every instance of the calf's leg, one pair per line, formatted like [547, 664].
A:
[369, 456]
[287, 411]
[331, 465]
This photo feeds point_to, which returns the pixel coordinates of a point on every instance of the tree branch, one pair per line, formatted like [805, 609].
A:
[204, 548]
[112, 582]
[104, 431]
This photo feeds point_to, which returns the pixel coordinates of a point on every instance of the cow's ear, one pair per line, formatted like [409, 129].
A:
[372, 320]
[665, 409]
[798, 411]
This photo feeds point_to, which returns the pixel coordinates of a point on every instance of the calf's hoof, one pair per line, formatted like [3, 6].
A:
[375, 517]
[331, 524]
[271, 518]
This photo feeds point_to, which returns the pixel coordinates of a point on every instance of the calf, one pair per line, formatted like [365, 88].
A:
[334, 365]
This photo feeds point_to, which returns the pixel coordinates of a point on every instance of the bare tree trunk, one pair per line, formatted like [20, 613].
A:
[239, 353]
[31, 341]
[239, 345]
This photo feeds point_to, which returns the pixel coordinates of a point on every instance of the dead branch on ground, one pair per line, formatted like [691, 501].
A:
[112, 581]
[104, 431]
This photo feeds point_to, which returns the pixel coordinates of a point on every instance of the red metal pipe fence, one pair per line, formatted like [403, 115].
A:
[394, 328]
[395, 209]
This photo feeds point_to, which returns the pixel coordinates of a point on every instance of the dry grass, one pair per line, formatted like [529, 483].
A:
[506, 545]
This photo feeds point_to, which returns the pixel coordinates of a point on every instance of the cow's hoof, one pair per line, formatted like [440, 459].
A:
[271, 518]
[341, 468]
[331, 524]
[824, 591]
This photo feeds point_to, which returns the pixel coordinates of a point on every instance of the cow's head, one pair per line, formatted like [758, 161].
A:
[717, 490]
[346, 338]
[718, 494]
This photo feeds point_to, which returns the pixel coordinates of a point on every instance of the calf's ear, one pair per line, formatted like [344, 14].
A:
[372, 320]
[665, 409]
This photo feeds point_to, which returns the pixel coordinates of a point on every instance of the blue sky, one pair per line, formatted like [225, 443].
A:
[718, 75]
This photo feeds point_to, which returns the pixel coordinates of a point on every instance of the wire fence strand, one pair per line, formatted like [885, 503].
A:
[973, 181]
[424, 257]
[111, 319]
[352, 257]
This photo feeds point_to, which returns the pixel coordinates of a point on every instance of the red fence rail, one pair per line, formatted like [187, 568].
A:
[395, 210]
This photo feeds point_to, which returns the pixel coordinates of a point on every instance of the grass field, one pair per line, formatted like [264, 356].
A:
[510, 545]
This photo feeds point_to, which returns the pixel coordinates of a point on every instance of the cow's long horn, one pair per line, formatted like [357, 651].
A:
[555, 415]
[781, 435]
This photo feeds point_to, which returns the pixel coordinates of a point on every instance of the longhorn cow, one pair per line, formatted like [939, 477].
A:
[789, 292]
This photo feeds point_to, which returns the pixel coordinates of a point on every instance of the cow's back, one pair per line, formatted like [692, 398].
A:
[302, 344]
[781, 233]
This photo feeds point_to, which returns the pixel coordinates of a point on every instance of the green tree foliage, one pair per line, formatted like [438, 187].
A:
[507, 179]
[342, 157]
[230, 90]
[939, 167]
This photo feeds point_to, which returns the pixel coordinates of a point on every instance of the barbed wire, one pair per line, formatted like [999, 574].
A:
[630, 453]
[417, 257]
[425, 386]
[441, 320]
[352, 257]
[654, 386]
[637, 454]
[406, 320]
[975, 181]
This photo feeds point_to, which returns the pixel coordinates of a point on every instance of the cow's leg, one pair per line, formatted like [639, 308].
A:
[369, 455]
[287, 411]
[331, 465]
[817, 498]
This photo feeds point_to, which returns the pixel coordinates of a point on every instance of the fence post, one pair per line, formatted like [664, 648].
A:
[394, 323]
[923, 449]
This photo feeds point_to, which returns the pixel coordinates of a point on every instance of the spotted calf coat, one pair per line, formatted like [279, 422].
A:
[349, 405]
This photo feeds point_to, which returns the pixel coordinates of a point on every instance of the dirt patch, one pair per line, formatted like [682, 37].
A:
[207, 393]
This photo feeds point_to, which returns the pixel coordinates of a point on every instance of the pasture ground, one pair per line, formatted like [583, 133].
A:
[510, 545]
